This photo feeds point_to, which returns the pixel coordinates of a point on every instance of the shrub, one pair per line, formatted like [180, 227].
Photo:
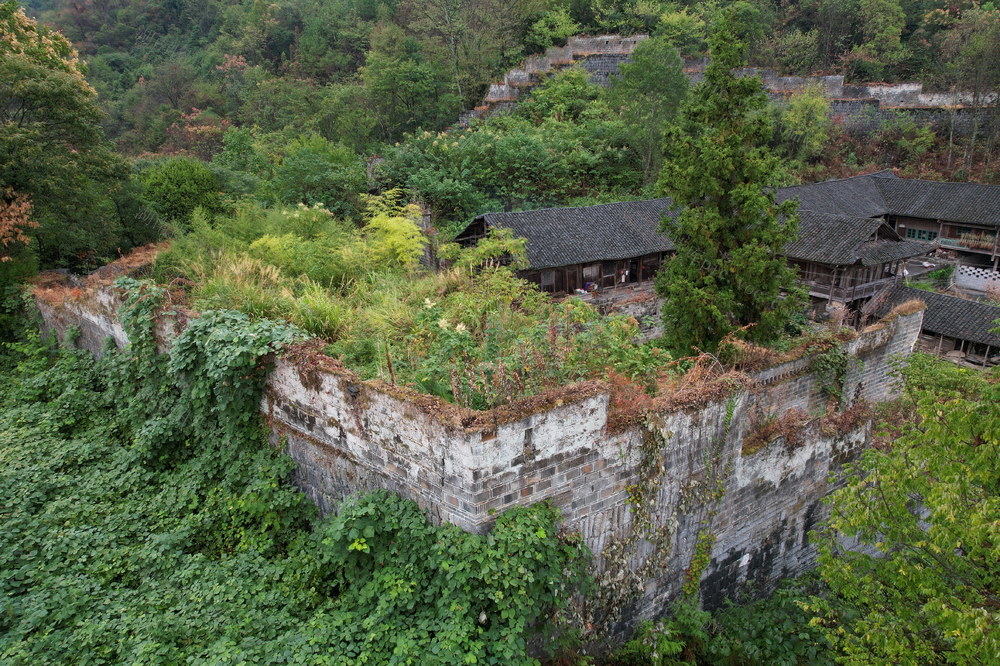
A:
[174, 187]
[314, 171]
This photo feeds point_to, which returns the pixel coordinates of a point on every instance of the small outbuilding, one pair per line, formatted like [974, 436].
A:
[953, 326]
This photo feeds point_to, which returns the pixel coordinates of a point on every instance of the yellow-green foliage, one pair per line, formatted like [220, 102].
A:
[396, 240]
[474, 333]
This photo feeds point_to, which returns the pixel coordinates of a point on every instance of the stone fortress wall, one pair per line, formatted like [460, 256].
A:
[643, 493]
[859, 107]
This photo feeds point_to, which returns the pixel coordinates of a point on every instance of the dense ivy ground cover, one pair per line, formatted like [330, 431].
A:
[146, 519]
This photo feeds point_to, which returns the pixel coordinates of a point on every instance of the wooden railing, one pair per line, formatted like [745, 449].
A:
[849, 293]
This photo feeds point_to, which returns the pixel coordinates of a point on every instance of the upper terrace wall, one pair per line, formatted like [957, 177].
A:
[640, 493]
[861, 107]
[576, 48]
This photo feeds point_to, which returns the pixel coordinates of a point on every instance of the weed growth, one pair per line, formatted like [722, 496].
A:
[146, 519]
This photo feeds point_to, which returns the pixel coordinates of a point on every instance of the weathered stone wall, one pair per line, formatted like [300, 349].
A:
[610, 50]
[864, 116]
[861, 108]
[600, 56]
[641, 493]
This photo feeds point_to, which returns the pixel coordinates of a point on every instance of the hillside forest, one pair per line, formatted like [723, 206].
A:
[172, 106]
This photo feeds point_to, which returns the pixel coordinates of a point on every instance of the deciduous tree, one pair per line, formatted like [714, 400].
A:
[52, 149]
[315, 171]
[805, 123]
[648, 92]
[929, 505]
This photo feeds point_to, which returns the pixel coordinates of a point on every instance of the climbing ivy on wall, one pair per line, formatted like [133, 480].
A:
[147, 520]
[624, 573]
[830, 368]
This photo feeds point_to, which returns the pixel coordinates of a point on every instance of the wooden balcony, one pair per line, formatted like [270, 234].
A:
[847, 294]
[965, 246]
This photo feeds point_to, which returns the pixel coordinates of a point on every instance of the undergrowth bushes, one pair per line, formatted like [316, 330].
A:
[147, 520]
[774, 631]
[474, 334]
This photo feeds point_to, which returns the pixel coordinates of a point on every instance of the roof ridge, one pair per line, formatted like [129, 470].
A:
[547, 208]
[940, 182]
[841, 216]
[884, 173]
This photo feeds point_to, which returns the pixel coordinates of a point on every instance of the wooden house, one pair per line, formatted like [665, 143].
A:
[958, 218]
[609, 245]
[844, 257]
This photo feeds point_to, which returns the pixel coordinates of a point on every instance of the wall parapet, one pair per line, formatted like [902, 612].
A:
[685, 462]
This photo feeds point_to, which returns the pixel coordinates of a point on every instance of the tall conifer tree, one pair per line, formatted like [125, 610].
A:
[730, 269]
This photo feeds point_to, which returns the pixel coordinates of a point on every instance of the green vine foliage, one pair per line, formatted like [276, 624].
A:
[830, 368]
[147, 520]
[775, 630]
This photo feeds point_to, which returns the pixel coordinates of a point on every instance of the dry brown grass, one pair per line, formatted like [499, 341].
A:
[767, 429]
[911, 306]
[56, 288]
[836, 423]
[135, 262]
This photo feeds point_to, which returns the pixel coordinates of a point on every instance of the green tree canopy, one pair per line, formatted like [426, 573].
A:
[175, 187]
[881, 26]
[316, 171]
[52, 149]
[805, 123]
[729, 270]
[406, 90]
[649, 91]
[929, 504]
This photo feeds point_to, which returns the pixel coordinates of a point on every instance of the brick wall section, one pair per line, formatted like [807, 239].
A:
[348, 436]
[864, 116]
[972, 278]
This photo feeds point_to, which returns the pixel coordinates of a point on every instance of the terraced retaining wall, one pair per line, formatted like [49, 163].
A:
[861, 108]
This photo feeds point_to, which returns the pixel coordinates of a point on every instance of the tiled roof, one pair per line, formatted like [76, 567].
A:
[563, 236]
[842, 240]
[945, 315]
[858, 196]
[834, 221]
[970, 203]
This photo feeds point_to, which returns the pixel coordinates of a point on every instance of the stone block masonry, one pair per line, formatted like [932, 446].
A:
[860, 108]
[644, 495]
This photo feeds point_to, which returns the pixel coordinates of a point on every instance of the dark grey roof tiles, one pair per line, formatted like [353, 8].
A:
[970, 203]
[562, 236]
[945, 315]
[858, 196]
[836, 225]
[843, 240]
[883, 250]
